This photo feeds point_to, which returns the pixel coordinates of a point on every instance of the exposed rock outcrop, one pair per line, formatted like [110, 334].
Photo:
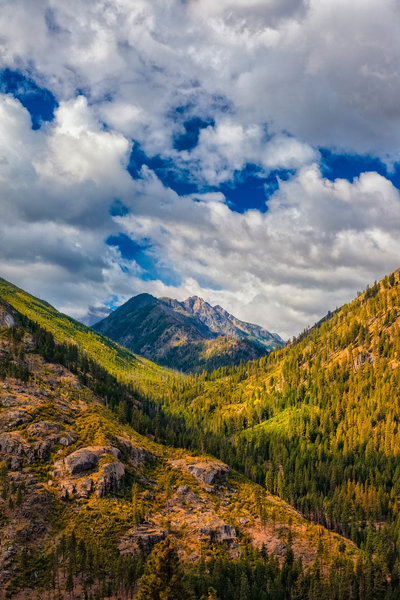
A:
[86, 471]
[111, 478]
[42, 437]
[218, 531]
[210, 472]
[82, 460]
[136, 454]
[6, 318]
[15, 418]
[147, 535]
[42, 428]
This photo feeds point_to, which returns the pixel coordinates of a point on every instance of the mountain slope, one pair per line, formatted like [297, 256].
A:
[148, 378]
[188, 336]
[220, 321]
[84, 497]
[318, 421]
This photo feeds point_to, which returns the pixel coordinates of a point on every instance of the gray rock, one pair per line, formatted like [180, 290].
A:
[43, 428]
[84, 459]
[6, 319]
[185, 495]
[219, 531]
[137, 454]
[15, 448]
[18, 450]
[80, 461]
[67, 440]
[14, 418]
[8, 401]
[226, 533]
[209, 472]
[42, 448]
[84, 488]
[111, 479]
[147, 535]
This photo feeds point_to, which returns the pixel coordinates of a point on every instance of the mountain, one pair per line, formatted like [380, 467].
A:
[318, 421]
[93, 505]
[221, 322]
[187, 336]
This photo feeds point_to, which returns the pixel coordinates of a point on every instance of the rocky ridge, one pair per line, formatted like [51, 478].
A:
[188, 336]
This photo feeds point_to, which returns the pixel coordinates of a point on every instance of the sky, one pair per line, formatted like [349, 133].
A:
[245, 151]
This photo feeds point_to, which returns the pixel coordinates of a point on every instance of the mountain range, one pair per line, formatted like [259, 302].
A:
[188, 336]
[276, 478]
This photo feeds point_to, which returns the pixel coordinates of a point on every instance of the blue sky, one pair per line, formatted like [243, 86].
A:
[247, 153]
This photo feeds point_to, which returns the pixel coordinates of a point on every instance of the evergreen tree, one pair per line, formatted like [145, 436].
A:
[163, 578]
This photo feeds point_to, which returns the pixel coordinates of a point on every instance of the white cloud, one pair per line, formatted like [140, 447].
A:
[317, 245]
[80, 150]
[279, 79]
[324, 71]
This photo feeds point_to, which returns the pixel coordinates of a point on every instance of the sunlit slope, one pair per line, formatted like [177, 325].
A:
[145, 375]
[318, 420]
[83, 494]
[346, 366]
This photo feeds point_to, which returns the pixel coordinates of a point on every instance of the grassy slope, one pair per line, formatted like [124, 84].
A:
[319, 419]
[146, 375]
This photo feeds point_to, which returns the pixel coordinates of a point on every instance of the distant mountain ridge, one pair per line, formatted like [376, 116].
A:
[222, 322]
[190, 336]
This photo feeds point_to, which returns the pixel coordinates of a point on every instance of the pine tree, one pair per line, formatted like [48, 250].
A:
[163, 578]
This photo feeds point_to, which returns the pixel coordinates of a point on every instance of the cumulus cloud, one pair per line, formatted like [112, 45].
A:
[228, 146]
[275, 81]
[318, 244]
[324, 71]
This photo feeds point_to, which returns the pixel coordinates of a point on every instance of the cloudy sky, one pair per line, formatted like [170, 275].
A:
[243, 150]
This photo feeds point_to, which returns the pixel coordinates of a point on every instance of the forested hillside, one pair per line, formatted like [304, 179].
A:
[317, 422]
[90, 508]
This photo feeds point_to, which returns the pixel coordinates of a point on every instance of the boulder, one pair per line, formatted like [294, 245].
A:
[68, 439]
[137, 454]
[226, 533]
[72, 472]
[42, 428]
[184, 495]
[7, 401]
[82, 460]
[43, 447]
[6, 319]
[14, 418]
[84, 488]
[218, 531]
[110, 479]
[15, 448]
[209, 472]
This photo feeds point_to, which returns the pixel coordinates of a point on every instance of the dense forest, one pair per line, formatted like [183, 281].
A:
[317, 422]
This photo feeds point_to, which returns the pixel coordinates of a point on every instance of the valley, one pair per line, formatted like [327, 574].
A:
[283, 469]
